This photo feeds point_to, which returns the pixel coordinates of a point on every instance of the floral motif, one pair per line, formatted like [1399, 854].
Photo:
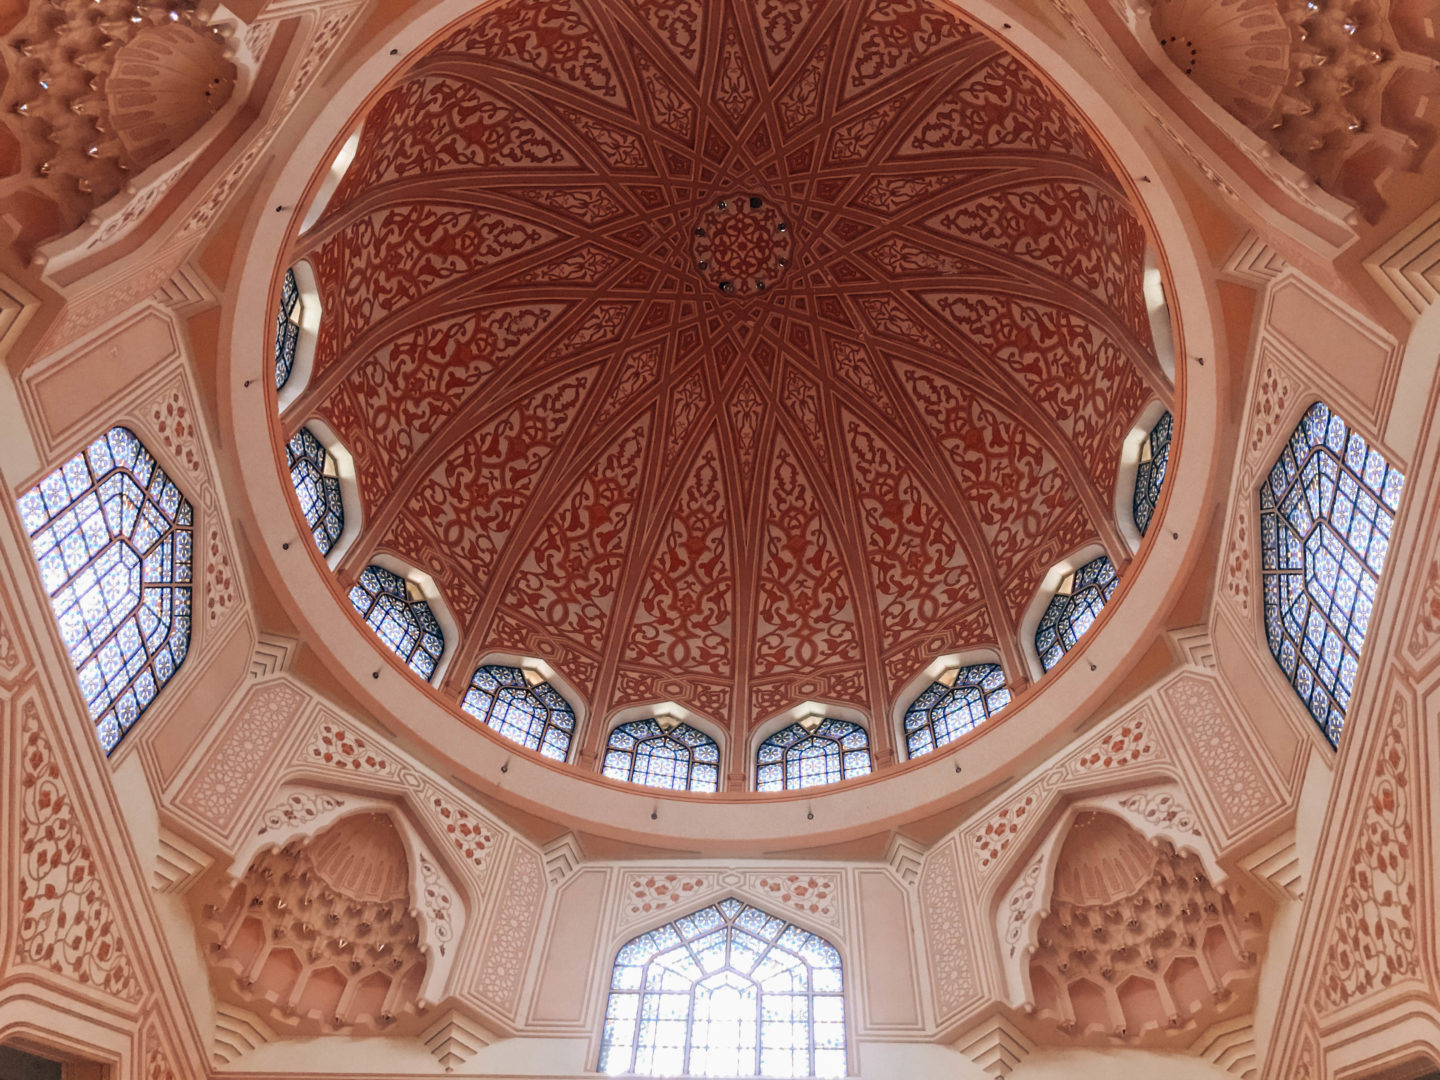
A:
[472, 837]
[345, 749]
[1373, 941]
[649, 894]
[68, 923]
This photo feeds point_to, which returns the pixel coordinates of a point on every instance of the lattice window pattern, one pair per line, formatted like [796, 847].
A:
[287, 329]
[680, 758]
[400, 617]
[114, 540]
[727, 991]
[1073, 609]
[523, 707]
[317, 485]
[1326, 513]
[956, 703]
[1150, 473]
[800, 756]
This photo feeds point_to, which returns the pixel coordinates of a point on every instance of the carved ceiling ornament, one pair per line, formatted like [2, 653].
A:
[320, 934]
[1139, 944]
[600, 452]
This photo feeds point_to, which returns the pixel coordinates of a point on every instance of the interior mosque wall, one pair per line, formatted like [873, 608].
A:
[1319, 958]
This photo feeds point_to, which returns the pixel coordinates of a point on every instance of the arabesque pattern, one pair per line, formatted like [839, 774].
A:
[599, 454]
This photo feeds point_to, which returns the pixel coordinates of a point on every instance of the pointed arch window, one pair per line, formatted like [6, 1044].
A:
[1326, 513]
[287, 329]
[957, 702]
[729, 990]
[808, 755]
[114, 540]
[400, 617]
[521, 705]
[1150, 472]
[678, 756]
[316, 479]
[1073, 609]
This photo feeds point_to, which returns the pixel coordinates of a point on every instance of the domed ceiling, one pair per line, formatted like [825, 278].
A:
[740, 353]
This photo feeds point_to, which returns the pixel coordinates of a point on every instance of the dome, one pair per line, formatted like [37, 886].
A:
[738, 383]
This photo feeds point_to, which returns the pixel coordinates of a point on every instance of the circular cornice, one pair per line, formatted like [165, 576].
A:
[427, 721]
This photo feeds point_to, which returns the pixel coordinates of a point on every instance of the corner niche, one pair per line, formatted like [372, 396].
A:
[1138, 946]
[320, 937]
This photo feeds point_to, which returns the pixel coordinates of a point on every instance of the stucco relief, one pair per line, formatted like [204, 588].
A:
[814, 897]
[1228, 767]
[12, 660]
[299, 809]
[1426, 630]
[157, 1056]
[344, 748]
[511, 930]
[1164, 809]
[948, 937]
[68, 922]
[233, 766]
[221, 588]
[1372, 941]
[645, 896]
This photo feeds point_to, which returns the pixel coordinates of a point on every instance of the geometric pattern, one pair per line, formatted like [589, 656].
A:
[534, 715]
[729, 990]
[797, 757]
[604, 458]
[1326, 513]
[946, 710]
[287, 329]
[114, 540]
[1150, 473]
[312, 472]
[682, 758]
[1074, 609]
[404, 623]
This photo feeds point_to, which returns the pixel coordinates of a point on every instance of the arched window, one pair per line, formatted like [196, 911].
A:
[802, 756]
[1073, 609]
[113, 537]
[1326, 513]
[727, 991]
[520, 705]
[398, 613]
[681, 757]
[958, 701]
[1150, 473]
[287, 329]
[317, 485]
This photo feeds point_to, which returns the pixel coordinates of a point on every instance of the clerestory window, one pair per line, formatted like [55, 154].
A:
[400, 617]
[957, 702]
[677, 756]
[1073, 609]
[806, 755]
[521, 705]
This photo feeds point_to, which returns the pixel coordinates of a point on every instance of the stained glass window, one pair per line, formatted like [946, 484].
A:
[113, 537]
[1074, 609]
[681, 758]
[727, 991]
[403, 621]
[797, 757]
[528, 710]
[287, 329]
[1150, 474]
[317, 486]
[1326, 513]
[954, 705]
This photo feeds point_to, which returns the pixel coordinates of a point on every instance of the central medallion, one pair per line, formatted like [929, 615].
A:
[742, 245]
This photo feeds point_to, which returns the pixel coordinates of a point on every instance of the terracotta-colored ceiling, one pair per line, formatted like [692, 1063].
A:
[740, 499]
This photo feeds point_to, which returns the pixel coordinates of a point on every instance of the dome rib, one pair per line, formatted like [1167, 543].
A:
[537, 250]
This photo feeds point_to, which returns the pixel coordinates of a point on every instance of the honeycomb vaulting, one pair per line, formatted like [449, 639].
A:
[793, 446]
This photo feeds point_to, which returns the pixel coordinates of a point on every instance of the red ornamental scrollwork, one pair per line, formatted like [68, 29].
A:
[744, 482]
[1373, 940]
[67, 920]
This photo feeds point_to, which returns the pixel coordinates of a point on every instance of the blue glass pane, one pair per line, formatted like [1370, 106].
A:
[681, 759]
[112, 537]
[795, 758]
[407, 626]
[1070, 615]
[317, 487]
[1150, 475]
[536, 716]
[287, 329]
[942, 713]
[729, 990]
[1326, 513]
